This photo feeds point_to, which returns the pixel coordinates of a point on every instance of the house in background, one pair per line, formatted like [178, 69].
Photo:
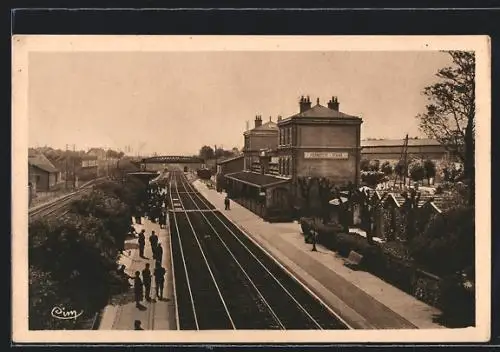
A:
[104, 161]
[226, 166]
[43, 175]
[100, 153]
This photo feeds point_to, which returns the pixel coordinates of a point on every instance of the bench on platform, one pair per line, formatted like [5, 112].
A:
[354, 260]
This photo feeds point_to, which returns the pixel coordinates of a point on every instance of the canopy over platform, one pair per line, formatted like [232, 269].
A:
[255, 179]
[144, 176]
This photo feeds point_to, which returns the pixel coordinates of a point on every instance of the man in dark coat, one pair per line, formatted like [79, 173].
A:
[142, 243]
[159, 253]
[137, 325]
[159, 274]
[153, 240]
[146, 279]
[226, 203]
[138, 289]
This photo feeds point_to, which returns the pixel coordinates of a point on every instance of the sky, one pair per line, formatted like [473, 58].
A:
[172, 103]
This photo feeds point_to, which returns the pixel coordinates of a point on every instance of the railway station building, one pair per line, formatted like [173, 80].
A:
[318, 141]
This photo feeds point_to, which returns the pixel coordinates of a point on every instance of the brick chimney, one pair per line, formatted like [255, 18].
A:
[258, 121]
[333, 104]
[304, 103]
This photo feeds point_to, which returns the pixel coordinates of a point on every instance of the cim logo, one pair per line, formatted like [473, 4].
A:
[63, 314]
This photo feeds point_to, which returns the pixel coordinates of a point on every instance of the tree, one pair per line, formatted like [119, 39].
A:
[430, 169]
[416, 170]
[326, 192]
[76, 253]
[113, 213]
[400, 169]
[372, 178]
[304, 186]
[364, 165]
[218, 153]
[386, 168]
[448, 242]
[450, 115]
[206, 153]
[374, 165]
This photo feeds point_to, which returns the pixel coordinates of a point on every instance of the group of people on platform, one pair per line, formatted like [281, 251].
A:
[156, 210]
[155, 243]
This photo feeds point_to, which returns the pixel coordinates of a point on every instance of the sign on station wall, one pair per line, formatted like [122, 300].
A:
[326, 155]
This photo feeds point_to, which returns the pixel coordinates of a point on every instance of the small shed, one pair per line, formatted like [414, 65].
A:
[43, 175]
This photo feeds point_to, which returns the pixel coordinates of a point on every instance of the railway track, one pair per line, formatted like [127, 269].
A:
[60, 205]
[224, 280]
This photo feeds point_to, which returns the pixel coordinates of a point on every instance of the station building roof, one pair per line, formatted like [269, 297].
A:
[256, 179]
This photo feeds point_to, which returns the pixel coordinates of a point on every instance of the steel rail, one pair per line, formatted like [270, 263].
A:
[206, 261]
[177, 323]
[280, 265]
[263, 299]
[183, 260]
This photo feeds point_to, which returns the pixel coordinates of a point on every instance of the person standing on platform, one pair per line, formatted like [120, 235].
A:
[153, 240]
[142, 243]
[226, 203]
[163, 223]
[159, 274]
[146, 280]
[159, 252]
[138, 289]
[137, 325]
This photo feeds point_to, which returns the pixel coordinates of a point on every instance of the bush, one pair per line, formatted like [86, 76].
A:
[374, 165]
[115, 215]
[397, 272]
[67, 257]
[346, 243]
[386, 168]
[416, 170]
[372, 178]
[430, 169]
[456, 302]
[364, 165]
[44, 294]
[448, 242]
[400, 168]
[327, 233]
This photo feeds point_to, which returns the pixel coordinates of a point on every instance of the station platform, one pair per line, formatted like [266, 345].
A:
[360, 298]
[121, 313]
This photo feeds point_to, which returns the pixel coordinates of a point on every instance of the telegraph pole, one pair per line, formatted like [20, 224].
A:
[66, 171]
[74, 173]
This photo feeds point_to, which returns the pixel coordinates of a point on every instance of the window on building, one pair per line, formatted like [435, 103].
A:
[280, 166]
[289, 135]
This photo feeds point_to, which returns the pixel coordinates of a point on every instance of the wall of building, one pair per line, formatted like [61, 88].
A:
[42, 179]
[263, 141]
[326, 135]
[327, 151]
[339, 165]
[232, 166]
[394, 153]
